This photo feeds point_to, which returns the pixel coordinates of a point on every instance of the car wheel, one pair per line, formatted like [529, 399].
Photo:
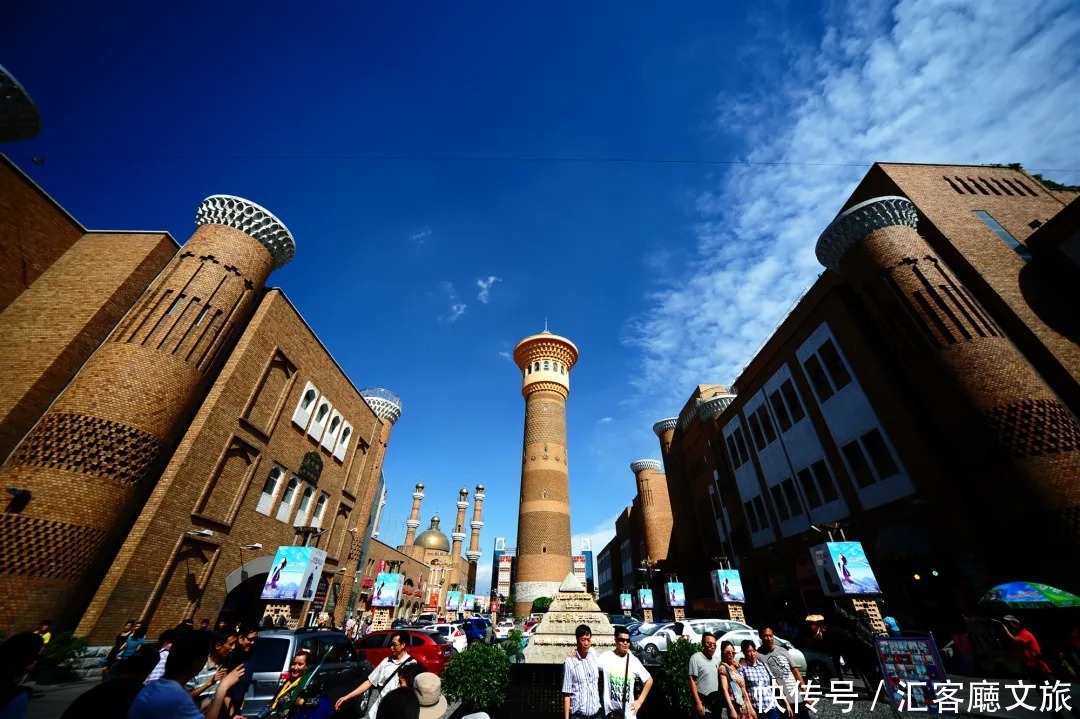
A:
[818, 673]
[652, 653]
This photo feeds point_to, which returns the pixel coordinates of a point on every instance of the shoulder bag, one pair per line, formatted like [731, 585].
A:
[365, 701]
[621, 711]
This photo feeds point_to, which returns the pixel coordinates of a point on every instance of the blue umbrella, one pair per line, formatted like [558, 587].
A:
[1031, 595]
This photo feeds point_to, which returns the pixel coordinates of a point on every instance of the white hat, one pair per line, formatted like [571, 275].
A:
[428, 688]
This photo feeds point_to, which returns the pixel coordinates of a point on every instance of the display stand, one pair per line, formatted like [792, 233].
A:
[381, 619]
[854, 605]
[733, 611]
[679, 612]
[646, 614]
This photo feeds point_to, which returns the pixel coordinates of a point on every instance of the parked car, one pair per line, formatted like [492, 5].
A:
[475, 629]
[739, 635]
[452, 632]
[653, 639]
[340, 668]
[399, 623]
[623, 620]
[426, 617]
[431, 649]
[503, 628]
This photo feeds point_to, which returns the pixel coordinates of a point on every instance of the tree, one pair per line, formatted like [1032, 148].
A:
[541, 604]
[673, 673]
[478, 676]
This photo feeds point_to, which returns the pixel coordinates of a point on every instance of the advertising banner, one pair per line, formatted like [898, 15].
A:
[727, 585]
[387, 590]
[843, 569]
[294, 574]
[913, 671]
[626, 602]
[453, 601]
[676, 594]
[468, 603]
[645, 600]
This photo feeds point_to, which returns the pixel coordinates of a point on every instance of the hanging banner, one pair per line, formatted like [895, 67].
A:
[468, 603]
[626, 602]
[843, 569]
[453, 601]
[295, 574]
[727, 585]
[645, 600]
[676, 594]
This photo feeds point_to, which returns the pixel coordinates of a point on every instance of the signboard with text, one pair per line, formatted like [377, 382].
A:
[913, 671]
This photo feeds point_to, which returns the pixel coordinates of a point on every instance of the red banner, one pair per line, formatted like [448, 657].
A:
[367, 582]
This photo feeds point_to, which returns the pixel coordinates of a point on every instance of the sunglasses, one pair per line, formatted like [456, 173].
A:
[622, 640]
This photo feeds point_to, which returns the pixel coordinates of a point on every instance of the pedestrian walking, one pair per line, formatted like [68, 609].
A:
[705, 678]
[167, 696]
[118, 644]
[203, 685]
[165, 642]
[619, 668]
[383, 679]
[761, 685]
[733, 686]
[581, 677]
[44, 631]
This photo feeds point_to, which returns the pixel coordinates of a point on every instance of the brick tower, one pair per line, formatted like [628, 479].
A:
[543, 546]
[665, 432]
[458, 535]
[1021, 445]
[92, 460]
[473, 554]
[656, 518]
[413, 522]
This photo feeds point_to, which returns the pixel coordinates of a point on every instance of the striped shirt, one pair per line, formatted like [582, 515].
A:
[581, 680]
[759, 685]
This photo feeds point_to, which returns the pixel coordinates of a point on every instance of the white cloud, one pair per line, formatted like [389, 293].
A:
[457, 308]
[506, 355]
[418, 238]
[911, 81]
[485, 287]
[604, 420]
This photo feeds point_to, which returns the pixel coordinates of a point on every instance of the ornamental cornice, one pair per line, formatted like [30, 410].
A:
[646, 465]
[385, 404]
[472, 556]
[457, 536]
[417, 495]
[253, 220]
[477, 524]
[555, 387]
[853, 225]
[412, 523]
[19, 116]
[545, 346]
[479, 496]
[665, 425]
[462, 505]
[713, 406]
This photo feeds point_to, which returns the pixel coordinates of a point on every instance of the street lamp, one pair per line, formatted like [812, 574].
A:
[199, 533]
[251, 548]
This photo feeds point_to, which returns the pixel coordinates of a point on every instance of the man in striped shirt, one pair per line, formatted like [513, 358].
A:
[581, 679]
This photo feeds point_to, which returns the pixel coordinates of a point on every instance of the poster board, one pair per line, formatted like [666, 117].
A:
[911, 667]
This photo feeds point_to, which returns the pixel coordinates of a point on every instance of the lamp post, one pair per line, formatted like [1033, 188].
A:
[251, 548]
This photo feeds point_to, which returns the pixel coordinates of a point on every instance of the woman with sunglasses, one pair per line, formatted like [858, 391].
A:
[733, 686]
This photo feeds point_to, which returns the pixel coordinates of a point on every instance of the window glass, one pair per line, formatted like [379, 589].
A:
[750, 518]
[334, 424]
[338, 650]
[779, 503]
[547, 365]
[816, 373]
[290, 491]
[744, 454]
[309, 397]
[319, 506]
[825, 481]
[322, 413]
[1004, 234]
[755, 430]
[271, 481]
[879, 454]
[813, 498]
[305, 500]
[766, 424]
[781, 411]
[792, 399]
[374, 641]
[271, 655]
[834, 364]
[733, 452]
[860, 469]
[415, 640]
[759, 506]
[792, 497]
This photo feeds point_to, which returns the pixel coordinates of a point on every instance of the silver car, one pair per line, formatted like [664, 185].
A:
[652, 638]
[738, 636]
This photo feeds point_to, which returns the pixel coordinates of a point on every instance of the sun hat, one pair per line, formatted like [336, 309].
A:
[1009, 618]
[815, 618]
[428, 688]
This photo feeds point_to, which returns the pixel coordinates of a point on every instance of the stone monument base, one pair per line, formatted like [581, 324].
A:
[554, 638]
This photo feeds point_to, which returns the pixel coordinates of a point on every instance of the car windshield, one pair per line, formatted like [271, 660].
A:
[647, 629]
[271, 655]
[443, 629]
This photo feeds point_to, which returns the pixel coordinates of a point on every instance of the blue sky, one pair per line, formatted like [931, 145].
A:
[665, 274]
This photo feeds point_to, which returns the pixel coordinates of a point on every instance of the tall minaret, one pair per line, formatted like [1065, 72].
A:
[473, 555]
[414, 516]
[543, 546]
[93, 458]
[458, 535]
[655, 507]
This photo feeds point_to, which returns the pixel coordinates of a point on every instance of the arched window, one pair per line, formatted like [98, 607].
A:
[266, 498]
[320, 507]
[287, 500]
[306, 405]
[543, 548]
[536, 367]
[547, 365]
[528, 370]
[305, 506]
[309, 397]
[321, 414]
[563, 369]
[343, 443]
[334, 424]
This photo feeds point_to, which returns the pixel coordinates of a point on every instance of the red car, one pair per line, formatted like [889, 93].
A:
[431, 649]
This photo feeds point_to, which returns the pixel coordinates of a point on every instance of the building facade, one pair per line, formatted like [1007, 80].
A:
[920, 398]
[190, 409]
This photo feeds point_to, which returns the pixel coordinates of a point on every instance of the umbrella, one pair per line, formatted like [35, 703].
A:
[1031, 595]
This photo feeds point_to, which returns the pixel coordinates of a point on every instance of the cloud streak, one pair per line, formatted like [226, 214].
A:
[485, 287]
[457, 308]
[907, 81]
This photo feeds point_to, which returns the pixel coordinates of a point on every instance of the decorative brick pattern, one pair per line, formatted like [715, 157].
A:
[545, 421]
[80, 443]
[1034, 427]
[46, 549]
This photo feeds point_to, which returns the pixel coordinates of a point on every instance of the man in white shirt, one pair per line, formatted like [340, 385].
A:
[619, 668]
[383, 679]
[167, 697]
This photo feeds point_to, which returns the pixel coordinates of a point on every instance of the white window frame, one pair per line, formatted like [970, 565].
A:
[329, 439]
[285, 508]
[266, 499]
[302, 414]
[317, 426]
[342, 446]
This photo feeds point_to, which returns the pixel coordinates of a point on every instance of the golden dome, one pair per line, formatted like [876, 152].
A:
[432, 538]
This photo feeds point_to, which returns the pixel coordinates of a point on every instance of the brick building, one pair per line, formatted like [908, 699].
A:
[168, 422]
[416, 585]
[921, 397]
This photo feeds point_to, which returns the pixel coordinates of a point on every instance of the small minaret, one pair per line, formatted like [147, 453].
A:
[458, 535]
[473, 555]
[655, 507]
[414, 517]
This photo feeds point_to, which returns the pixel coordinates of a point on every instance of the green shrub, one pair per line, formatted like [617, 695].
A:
[65, 649]
[513, 645]
[478, 676]
[675, 673]
[541, 604]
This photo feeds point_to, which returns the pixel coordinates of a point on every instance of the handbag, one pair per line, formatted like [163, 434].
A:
[376, 689]
[733, 688]
[621, 712]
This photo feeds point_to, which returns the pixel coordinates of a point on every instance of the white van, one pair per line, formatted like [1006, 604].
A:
[426, 617]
